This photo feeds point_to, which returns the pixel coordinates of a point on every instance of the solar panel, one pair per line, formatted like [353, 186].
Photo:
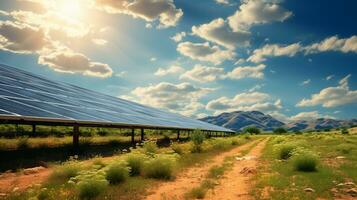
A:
[25, 96]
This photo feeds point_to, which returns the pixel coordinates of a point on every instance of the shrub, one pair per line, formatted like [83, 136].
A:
[150, 147]
[345, 148]
[99, 162]
[197, 139]
[198, 193]
[285, 151]
[91, 188]
[135, 162]
[305, 161]
[280, 130]
[235, 142]
[216, 171]
[117, 173]
[22, 143]
[220, 144]
[160, 167]
[344, 131]
[177, 148]
[66, 171]
[252, 130]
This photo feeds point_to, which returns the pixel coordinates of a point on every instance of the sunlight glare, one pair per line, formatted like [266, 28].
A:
[69, 8]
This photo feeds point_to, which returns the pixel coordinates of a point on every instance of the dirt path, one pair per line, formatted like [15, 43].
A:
[11, 182]
[192, 177]
[236, 182]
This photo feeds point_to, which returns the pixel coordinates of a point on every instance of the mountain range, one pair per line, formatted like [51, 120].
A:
[238, 120]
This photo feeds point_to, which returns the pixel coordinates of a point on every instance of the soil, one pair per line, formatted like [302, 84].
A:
[192, 177]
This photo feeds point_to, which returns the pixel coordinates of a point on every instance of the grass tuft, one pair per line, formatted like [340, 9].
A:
[305, 161]
[160, 167]
[117, 173]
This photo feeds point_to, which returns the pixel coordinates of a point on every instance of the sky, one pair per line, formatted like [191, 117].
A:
[292, 59]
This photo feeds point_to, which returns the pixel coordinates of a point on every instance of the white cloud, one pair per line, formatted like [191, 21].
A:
[99, 41]
[164, 11]
[332, 96]
[247, 72]
[306, 82]
[174, 69]
[182, 98]
[224, 2]
[345, 45]
[256, 87]
[329, 77]
[203, 74]
[71, 62]
[219, 32]
[246, 102]
[153, 59]
[22, 38]
[257, 12]
[205, 52]
[121, 74]
[178, 36]
[270, 50]
[308, 116]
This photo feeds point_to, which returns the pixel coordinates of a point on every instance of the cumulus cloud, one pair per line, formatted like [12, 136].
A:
[253, 12]
[332, 96]
[70, 62]
[203, 74]
[174, 69]
[182, 98]
[205, 52]
[164, 11]
[344, 45]
[178, 36]
[247, 101]
[273, 50]
[219, 32]
[256, 87]
[333, 43]
[308, 116]
[21, 38]
[247, 72]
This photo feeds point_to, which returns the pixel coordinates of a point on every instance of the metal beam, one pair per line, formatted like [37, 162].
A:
[142, 134]
[133, 137]
[76, 137]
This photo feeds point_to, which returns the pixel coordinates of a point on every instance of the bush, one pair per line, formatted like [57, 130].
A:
[285, 151]
[22, 143]
[91, 188]
[177, 148]
[235, 142]
[160, 167]
[135, 162]
[305, 161]
[220, 144]
[198, 193]
[197, 139]
[344, 131]
[66, 171]
[345, 148]
[252, 130]
[280, 130]
[150, 147]
[117, 173]
[99, 162]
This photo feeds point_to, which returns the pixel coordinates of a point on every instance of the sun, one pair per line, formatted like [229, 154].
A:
[69, 8]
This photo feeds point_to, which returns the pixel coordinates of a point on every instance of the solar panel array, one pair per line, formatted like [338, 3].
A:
[27, 96]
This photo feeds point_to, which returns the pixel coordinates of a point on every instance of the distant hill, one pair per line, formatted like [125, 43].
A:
[238, 120]
[319, 124]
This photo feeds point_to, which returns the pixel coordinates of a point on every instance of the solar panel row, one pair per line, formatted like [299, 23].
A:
[29, 96]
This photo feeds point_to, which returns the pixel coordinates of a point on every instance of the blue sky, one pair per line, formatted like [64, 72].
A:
[290, 59]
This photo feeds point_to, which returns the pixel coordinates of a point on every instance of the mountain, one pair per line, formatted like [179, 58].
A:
[238, 120]
[319, 124]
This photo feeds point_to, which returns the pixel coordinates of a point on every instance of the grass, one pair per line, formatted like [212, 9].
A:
[312, 164]
[109, 179]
